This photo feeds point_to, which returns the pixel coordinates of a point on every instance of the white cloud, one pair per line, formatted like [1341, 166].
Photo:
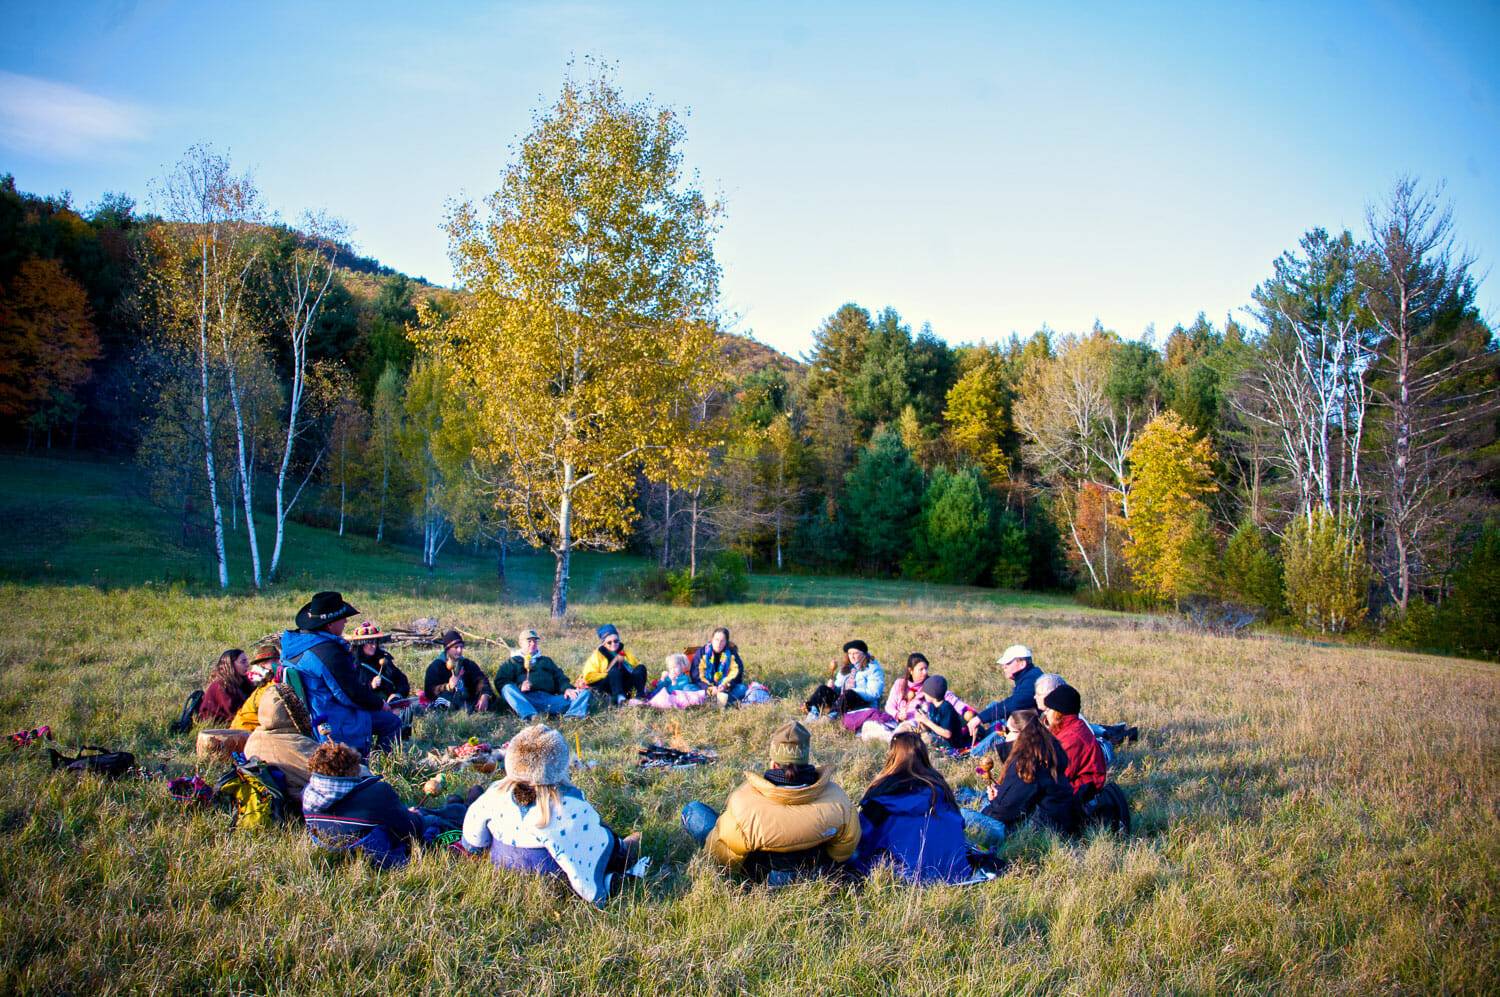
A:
[57, 121]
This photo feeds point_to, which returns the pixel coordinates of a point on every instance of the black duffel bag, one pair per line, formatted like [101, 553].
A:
[110, 764]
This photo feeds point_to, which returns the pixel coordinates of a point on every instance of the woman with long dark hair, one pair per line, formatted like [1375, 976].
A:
[1032, 781]
[909, 818]
[228, 687]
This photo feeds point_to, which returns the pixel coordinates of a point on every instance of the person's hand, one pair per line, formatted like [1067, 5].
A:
[992, 791]
[572, 693]
[526, 685]
[483, 705]
[375, 682]
[974, 724]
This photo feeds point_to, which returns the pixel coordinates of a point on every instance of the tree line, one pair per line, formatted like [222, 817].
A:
[1327, 456]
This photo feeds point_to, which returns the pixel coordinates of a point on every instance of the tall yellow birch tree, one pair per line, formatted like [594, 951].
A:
[587, 336]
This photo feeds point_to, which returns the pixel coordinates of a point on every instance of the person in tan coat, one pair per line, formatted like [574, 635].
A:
[790, 822]
[284, 738]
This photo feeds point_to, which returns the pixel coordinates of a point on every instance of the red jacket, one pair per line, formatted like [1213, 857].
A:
[1086, 764]
[219, 704]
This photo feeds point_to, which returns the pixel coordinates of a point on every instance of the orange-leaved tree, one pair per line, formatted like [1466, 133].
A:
[47, 339]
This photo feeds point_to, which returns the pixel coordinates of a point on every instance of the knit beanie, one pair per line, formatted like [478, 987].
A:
[935, 686]
[1065, 700]
[608, 630]
[790, 744]
[537, 755]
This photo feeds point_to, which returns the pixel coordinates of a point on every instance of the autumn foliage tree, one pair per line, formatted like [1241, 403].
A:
[1170, 546]
[587, 337]
[47, 339]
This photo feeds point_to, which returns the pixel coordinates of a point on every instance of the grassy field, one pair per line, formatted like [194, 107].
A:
[1309, 819]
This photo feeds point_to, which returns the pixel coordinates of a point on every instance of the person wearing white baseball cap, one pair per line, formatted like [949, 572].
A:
[1019, 668]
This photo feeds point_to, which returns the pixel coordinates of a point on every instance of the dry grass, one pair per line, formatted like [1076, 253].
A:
[1309, 820]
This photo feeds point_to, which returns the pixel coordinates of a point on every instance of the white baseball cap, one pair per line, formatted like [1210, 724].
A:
[1012, 653]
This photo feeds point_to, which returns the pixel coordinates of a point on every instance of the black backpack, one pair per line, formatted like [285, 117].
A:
[109, 764]
[1109, 808]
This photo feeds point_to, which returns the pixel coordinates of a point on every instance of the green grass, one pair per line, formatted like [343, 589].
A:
[1310, 819]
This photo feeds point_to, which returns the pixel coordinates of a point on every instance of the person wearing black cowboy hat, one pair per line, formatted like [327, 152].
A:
[343, 707]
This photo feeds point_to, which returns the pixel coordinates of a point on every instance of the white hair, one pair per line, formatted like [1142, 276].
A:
[1045, 685]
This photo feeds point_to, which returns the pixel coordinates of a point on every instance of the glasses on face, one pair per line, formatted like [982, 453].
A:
[612, 642]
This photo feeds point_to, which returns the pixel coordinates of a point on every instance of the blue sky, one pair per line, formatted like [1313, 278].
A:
[987, 168]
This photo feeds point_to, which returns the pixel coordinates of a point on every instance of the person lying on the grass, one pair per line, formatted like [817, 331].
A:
[857, 682]
[1087, 769]
[905, 697]
[612, 670]
[346, 807]
[376, 665]
[263, 668]
[531, 683]
[456, 681]
[937, 718]
[909, 818]
[676, 689]
[534, 820]
[229, 686]
[717, 665]
[343, 706]
[284, 738]
[1023, 672]
[1032, 780]
[790, 822]
[1108, 735]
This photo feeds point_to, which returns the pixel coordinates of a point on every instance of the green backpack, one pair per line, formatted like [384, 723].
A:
[257, 793]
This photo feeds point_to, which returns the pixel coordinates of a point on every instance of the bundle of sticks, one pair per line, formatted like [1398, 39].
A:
[659, 756]
[425, 632]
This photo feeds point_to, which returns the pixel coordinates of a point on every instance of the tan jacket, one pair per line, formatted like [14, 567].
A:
[279, 742]
[764, 817]
[248, 715]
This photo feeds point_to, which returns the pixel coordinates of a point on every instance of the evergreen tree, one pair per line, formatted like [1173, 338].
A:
[1252, 575]
[882, 502]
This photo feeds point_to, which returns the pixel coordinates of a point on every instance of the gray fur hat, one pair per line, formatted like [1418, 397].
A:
[538, 755]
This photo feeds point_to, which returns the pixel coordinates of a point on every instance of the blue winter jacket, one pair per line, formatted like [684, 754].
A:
[905, 822]
[1022, 697]
[335, 694]
[360, 813]
[869, 682]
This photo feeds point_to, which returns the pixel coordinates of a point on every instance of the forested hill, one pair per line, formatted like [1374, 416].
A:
[85, 264]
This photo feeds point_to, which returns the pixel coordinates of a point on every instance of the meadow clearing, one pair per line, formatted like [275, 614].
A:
[1309, 818]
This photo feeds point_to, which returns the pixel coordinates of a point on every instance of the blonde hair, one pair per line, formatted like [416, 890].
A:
[680, 660]
[527, 794]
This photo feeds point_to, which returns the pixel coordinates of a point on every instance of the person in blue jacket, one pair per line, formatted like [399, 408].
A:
[343, 707]
[347, 807]
[909, 818]
[1022, 671]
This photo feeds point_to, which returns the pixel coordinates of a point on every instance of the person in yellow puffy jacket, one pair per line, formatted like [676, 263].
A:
[263, 674]
[612, 670]
[791, 822]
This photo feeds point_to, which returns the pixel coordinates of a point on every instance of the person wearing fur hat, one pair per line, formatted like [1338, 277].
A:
[343, 707]
[1087, 768]
[857, 683]
[535, 821]
[456, 680]
[613, 670]
[376, 665]
[1016, 662]
[791, 821]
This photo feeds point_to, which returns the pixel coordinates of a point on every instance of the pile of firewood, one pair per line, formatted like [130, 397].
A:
[425, 632]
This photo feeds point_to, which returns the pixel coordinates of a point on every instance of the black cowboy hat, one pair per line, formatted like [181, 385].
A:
[323, 609]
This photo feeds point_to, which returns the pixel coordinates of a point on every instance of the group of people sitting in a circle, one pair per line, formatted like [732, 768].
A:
[317, 707]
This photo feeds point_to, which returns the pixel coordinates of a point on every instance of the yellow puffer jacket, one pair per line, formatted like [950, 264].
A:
[764, 817]
[596, 667]
[248, 715]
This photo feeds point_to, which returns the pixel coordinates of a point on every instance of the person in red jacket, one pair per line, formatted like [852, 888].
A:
[1087, 770]
[228, 687]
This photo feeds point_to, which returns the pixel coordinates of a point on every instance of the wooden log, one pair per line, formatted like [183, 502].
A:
[219, 744]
